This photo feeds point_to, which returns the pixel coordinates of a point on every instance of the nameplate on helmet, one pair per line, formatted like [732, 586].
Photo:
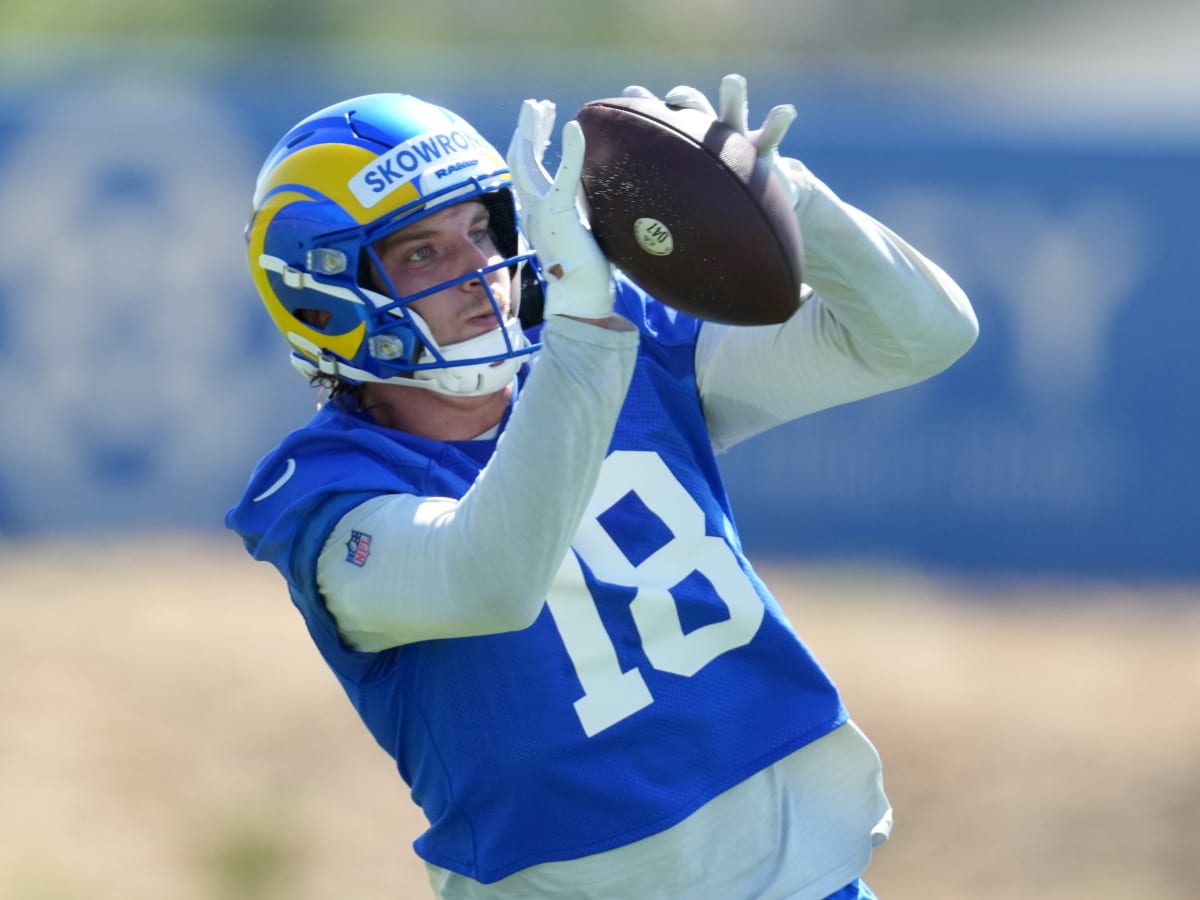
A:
[459, 148]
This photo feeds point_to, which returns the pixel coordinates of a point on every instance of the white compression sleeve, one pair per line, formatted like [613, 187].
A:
[880, 316]
[443, 568]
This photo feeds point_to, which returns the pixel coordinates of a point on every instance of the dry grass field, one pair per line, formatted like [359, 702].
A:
[167, 732]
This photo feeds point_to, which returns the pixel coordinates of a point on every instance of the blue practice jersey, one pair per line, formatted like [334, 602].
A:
[659, 673]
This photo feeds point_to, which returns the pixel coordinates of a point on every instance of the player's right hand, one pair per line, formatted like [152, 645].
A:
[578, 276]
[735, 114]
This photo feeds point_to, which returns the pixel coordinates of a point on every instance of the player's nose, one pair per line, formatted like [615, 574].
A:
[474, 257]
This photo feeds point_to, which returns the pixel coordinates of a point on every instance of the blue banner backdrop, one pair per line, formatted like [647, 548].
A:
[144, 380]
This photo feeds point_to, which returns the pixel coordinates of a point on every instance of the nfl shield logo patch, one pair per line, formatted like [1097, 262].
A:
[358, 548]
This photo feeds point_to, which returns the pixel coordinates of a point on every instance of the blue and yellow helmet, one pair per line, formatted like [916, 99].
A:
[336, 183]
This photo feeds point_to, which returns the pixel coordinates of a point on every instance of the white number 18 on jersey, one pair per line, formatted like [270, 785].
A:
[609, 694]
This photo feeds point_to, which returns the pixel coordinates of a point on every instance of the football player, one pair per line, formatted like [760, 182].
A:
[507, 533]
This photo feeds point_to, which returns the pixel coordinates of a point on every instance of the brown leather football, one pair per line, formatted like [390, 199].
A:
[683, 205]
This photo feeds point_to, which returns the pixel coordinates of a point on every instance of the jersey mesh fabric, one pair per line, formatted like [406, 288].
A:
[485, 729]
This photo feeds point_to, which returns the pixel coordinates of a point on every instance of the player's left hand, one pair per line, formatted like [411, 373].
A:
[735, 114]
[579, 278]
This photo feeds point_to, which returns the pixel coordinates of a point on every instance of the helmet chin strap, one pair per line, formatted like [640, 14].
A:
[463, 380]
[472, 379]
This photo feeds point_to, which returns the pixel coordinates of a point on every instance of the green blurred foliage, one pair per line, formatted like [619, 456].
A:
[634, 24]
[252, 858]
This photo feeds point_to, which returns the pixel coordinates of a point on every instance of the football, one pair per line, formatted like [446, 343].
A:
[683, 205]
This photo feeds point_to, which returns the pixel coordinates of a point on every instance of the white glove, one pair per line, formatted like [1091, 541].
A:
[735, 113]
[578, 277]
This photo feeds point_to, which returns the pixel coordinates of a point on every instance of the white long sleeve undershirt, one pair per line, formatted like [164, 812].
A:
[452, 568]
[878, 316]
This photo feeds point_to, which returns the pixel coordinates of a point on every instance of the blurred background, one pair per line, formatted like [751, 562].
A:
[1001, 566]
